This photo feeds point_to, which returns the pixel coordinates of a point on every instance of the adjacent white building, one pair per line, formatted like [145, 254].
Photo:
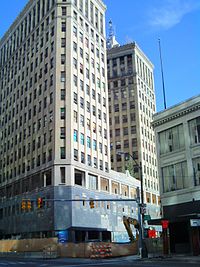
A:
[178, 142]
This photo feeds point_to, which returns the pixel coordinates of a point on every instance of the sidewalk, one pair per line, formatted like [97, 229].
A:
[178, 257]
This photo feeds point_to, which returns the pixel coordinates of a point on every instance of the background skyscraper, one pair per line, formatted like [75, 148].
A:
[131, 107]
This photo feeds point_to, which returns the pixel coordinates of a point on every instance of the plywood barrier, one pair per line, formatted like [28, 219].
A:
[83, 250]
[74, 250]
[27, 245]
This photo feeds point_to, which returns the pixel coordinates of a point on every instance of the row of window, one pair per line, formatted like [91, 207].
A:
[26, 166]
[92, 13]
[124, 131]
[23, 137]
[82, 105]
[173, 139]
[28, 77]
[28, 24]
[90, 143]
[144, 72]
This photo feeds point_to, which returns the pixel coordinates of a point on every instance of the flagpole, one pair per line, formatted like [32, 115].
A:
[163, 82]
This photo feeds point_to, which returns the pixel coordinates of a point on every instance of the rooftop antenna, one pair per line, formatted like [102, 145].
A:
[111, 30]
[111, 41]
[163, 82]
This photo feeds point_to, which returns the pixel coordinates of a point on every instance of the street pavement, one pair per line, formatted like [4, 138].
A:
[171, 261]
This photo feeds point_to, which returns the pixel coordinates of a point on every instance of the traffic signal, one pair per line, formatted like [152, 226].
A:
[40, 203]
[23, 204]
[28, 204]
[92, 204]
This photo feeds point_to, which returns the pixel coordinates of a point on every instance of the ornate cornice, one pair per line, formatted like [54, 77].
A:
[166, 116]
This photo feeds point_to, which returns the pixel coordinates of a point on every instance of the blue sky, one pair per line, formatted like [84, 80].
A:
[175, 22]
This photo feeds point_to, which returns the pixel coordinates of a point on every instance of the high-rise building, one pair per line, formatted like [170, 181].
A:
[131, 107]
[178, 143]
[55, 125]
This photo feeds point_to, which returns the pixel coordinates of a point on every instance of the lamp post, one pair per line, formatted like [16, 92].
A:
[142, 247]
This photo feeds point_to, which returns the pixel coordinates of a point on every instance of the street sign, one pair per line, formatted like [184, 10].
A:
[62, 236]
[195, 222]
[147, 217]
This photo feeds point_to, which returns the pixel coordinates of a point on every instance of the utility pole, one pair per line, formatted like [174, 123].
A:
[141, 206]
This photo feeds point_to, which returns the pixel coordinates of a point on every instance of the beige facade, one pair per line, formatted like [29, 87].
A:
[54, 92]
[55, 122]
[131, 107]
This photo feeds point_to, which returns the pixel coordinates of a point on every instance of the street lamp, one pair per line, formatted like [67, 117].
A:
[142, 247]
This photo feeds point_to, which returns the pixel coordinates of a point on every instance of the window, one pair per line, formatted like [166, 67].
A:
[81, 37]
[62, 113]
[93, 181]
[82, 120]
[89, 161]
[81, 68]
[75, 47]
[75, 63]
[88, 142]
[125, 130]
[134, 142]
[132, 115]
[62, 132]
[82, 157]
[75, 98]
[63, 26]
[81, 85]
[62, 94]
[95, 162]
[62, 152]
[64, 11]
[124, 106]
[133, 129]
[196, 171]
[117, 132]
[171, 139]
[194, 129]
[175, 177]
[116, 107]
[62, 59]
[76, 154]
[75, 80]
[82, 139]
[62, 175]
[75, 136]
[81, 102]
[124, 118]
[75, 31]
[62, 76]
[94, 144]
[75, 116]
[100, 147]
[63, 42]
[126, 143]
[88, 124]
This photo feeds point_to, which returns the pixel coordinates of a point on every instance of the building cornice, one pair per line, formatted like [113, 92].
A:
[18, 20]
[176, 112]
[111, 53]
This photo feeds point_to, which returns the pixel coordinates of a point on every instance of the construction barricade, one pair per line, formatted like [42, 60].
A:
[100, 251]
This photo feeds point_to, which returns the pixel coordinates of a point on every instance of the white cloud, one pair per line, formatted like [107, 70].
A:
[171, 12]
